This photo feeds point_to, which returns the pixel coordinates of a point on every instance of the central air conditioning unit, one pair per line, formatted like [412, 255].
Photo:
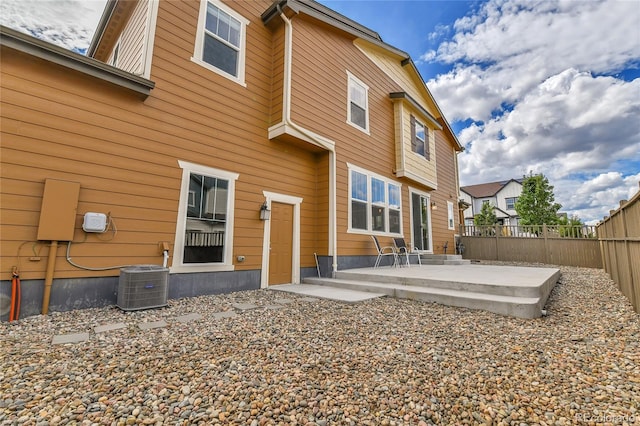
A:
[143, 287]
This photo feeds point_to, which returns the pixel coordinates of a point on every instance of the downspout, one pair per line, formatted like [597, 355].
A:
[286, 118]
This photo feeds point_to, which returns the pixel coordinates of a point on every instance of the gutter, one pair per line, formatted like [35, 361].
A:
[286, 120]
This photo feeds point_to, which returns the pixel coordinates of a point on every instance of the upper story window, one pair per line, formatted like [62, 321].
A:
[220, 40]
[375, 204]
[419, 138]
[511, 203]
[358, 103]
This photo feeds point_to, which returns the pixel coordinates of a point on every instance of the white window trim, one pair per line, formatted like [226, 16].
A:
[350, 78]
[451, 216]
[178, 264]
[295, 261]
[199, 44]
[369, 230]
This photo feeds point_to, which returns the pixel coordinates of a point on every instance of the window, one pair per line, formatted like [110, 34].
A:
[220, 40]
[358, 104]
[450, 217]
[511, 203]
[374, 203]
[205, 219]
[419, 138]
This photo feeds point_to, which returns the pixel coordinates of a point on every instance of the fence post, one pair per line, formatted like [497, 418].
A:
[546, 243]
[627, 246]
[496, 229]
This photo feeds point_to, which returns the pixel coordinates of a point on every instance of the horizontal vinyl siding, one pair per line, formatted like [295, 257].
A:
[447, 191]
[132, 45]
[321, 59]
[124, 152]
[414, 162]
[393, 68]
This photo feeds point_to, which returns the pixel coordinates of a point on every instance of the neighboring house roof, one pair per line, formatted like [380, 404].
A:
[489, 189]
[49, 52]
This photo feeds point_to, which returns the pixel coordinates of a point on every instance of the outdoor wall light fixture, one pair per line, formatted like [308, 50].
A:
[265, 213]
[434, 206]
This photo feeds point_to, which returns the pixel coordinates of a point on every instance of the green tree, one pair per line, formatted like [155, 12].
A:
[485, 219]
[536, 205]
[570, 227]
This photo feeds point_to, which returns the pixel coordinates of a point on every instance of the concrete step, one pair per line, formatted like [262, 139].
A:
[443, 259]
[521, 307]
[445, 262]
[447, 283]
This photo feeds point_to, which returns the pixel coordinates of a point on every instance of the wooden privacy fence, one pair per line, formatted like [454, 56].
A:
[620, 243]
[552, 244]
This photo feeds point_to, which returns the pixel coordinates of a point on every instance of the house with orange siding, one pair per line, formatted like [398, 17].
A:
[187, 124]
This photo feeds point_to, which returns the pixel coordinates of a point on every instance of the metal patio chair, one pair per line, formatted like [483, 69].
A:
[384, 251]
[402, 250]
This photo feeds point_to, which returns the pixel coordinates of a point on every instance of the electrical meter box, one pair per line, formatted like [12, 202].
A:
[94, 222]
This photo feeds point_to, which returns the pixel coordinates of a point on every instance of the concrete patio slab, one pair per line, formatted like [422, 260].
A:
[326, 292]
[508, 290]
[511, 276]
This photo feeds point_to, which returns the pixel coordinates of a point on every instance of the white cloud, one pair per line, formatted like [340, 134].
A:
[594, 198]
[66, 23]
[534, 76]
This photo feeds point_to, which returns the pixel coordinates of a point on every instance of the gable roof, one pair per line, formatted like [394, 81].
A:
[341, 22]
[490, 189]
[331, 17]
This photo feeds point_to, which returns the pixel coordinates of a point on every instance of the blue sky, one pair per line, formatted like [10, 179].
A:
[548, 86]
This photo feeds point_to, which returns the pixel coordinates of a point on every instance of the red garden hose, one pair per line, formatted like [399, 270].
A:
[14, 313]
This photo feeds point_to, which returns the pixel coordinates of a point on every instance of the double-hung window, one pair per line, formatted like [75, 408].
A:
[205, 219]
[358, 103]
[511, 203]
[220, 40]
[374, 203]
[419, 138]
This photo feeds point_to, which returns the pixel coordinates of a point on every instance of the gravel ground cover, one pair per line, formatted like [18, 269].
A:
[381, 362]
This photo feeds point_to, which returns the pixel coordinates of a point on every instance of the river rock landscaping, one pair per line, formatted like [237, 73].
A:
[261, 358]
